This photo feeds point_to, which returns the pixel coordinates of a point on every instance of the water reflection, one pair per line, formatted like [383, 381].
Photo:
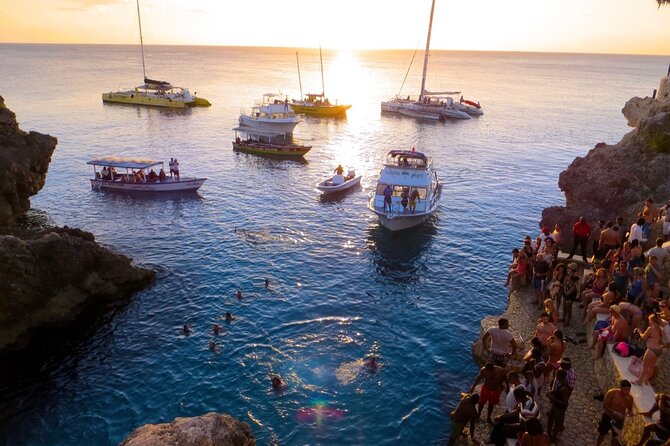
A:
[399, 256]
[269, 161]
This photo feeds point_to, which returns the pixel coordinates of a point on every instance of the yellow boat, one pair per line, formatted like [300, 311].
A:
[317, 105]
[154, 93]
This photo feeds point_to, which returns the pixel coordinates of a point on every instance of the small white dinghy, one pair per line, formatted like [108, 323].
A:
[339, 182]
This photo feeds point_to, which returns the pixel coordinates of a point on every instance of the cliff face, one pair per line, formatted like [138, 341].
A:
[24, 161]
[614, 180]
[208, 429]
[48, 277]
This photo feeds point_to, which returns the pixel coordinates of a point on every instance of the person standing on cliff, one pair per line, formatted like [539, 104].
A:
[618, 404]
[581, 232]
[494, 381]
[502, 345]
[650, 215]
[464, 415]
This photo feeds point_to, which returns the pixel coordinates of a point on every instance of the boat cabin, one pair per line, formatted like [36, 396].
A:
[131, 170]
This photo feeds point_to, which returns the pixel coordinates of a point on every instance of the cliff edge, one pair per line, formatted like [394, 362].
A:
[614, 180]
[47, 277]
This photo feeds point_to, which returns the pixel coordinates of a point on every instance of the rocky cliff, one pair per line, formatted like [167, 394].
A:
[211, 429]
[47, 277]
[614, 180]
[24, 161]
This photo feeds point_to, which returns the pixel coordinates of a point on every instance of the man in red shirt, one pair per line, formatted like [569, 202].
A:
[581, 232]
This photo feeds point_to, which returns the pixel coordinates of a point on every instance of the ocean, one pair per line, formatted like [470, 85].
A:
[342, 288]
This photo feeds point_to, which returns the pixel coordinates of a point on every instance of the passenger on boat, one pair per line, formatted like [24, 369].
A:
[104, 173]
[339, 170]
[404, 198]
[413, 197]
[161, 175]
[388, 193]
[153, 176]
[175, 166]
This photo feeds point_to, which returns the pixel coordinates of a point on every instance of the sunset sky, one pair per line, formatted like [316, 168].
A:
[590, 26]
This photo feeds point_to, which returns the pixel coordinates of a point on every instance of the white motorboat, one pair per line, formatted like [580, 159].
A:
[429, 103]
[339, 182]
[139, 176]
[271, 114]
[407, 192]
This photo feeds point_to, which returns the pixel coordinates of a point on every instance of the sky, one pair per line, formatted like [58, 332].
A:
[582, 26]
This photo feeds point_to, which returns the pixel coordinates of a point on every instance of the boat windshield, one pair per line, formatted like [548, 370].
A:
[398, 191]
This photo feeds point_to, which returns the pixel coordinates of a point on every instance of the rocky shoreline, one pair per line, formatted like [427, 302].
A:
[610, 181]
[50, 277]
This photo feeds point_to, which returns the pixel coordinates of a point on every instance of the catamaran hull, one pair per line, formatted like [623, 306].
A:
[139, 99]
[321, 111]
[415, 110]
[271, 149]
[184, 185]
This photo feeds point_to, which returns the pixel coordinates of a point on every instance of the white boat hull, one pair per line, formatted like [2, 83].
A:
[401, 222]
[424, 111]
[327, 186]
[170, 185]
[279, 126]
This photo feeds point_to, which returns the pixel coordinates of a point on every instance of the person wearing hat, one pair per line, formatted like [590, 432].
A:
[616, 331]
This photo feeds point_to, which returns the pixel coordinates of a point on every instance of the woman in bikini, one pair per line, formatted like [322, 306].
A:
[653, 338]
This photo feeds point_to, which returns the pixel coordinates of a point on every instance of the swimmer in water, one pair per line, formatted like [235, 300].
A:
[267, 283]
[229, 317]
[277, 383]
[213, 347]
[373, 363]
[186, 330]
[216, 328]
[239, 294]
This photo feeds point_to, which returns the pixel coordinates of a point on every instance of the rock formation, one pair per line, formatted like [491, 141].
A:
[47, 277]
[211, 429]
[24, 160]
[614, 180]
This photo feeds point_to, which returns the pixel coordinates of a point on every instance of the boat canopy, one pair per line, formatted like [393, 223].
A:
[257, 132]
[124, 162]
[157, 84]
[412, 158]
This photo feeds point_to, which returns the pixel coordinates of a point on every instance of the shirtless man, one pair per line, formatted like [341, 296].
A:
[617, 405]
[556, 349]
[650, 215]
[465, 414]
[494, 381]
[661, 427]
[609, 239]
[545, 329]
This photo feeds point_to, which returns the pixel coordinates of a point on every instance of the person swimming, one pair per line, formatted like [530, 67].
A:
[267, 283]
[186, 330]
[239, 294]
[277, 382]
[228, 316]
[216, 329]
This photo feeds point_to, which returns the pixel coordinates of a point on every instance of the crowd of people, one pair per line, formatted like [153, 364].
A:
[620, 294]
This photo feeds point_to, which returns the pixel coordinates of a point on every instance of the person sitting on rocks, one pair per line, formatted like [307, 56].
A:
[597, 288]
[632, 312]
[660, 428]
[511, 424]
[603, 306]
[518, 269]
[616, 331]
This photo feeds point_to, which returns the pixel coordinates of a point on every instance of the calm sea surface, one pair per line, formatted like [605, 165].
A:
[342, 287]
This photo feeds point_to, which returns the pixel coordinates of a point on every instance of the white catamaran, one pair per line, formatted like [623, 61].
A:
[431, 105]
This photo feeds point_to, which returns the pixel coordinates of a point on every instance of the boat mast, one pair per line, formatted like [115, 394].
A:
[425, 57]
[139, 20]
[299, 80]
[323, 85]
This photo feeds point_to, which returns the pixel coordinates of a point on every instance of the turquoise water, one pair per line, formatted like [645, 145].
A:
[341, 287]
